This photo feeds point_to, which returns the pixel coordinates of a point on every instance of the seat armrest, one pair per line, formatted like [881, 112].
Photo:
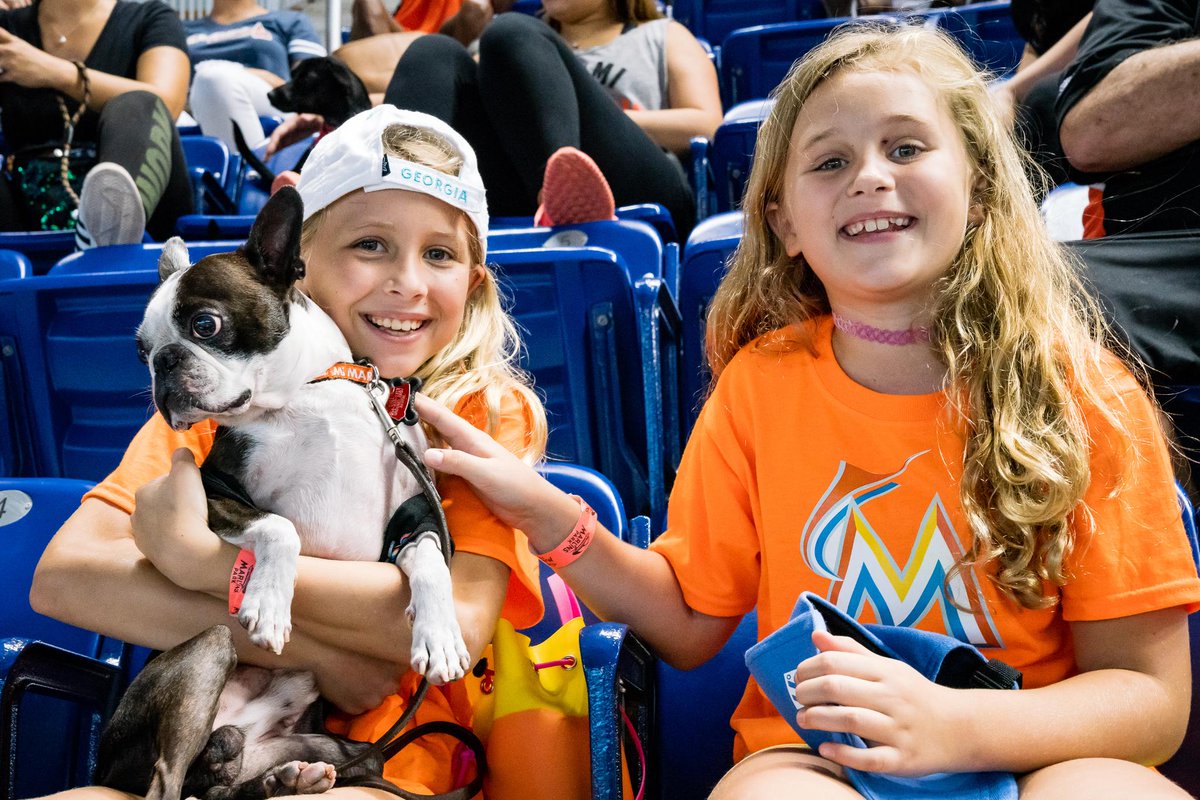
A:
[48, 670]
[619, 669]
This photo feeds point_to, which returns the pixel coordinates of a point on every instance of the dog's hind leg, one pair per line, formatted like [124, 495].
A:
[165, 718]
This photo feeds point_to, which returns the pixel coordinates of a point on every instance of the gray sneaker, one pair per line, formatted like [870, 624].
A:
[110, 208]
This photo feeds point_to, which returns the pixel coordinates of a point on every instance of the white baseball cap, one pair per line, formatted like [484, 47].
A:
[352, 157]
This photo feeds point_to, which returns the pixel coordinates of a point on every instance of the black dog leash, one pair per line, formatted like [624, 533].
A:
[391, 399]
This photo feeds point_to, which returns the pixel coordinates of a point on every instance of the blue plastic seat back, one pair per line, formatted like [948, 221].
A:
[49, 739]
[600, 348]
[42, 248]
[754, 60]
[31, 510]
[987, 32]
[653, 214]
[704, 260]
[715, 19]
[208, 168]
[639, 244]
[83, 389]
[692, 737]
[732, 151]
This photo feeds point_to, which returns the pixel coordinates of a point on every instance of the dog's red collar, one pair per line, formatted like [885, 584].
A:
[400, 390]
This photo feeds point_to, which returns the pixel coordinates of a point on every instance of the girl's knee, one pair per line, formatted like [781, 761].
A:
[1098, 779]
[509, 34]
[787, 773]
[216, 79]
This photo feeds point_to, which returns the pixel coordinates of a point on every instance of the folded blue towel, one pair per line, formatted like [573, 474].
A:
[942, 659]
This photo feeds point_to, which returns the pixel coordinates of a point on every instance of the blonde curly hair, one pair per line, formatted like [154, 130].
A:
[1018, 333]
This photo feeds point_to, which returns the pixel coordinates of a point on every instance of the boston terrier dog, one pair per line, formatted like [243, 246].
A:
[233, 339]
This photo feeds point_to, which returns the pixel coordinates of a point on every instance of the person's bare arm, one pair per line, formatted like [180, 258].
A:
[162, 70]
[693, 99]
[1055, 59]
[92, 575]
[1146, 107]
[616, 580]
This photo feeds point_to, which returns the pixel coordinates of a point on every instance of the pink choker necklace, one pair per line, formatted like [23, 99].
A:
[861, 330]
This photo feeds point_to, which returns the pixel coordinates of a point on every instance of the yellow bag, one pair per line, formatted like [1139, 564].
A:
[531, 711]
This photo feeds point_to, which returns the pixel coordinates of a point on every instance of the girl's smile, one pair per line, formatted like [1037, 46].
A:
[876, 193]
[393, 268]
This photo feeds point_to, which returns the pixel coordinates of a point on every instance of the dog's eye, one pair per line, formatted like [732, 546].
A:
[205, 326]
[143, 353]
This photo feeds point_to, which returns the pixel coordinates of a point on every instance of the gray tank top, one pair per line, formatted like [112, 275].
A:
[633, 67]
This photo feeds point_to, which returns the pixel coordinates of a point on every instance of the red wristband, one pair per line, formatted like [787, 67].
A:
[577, 540]
[243, 567]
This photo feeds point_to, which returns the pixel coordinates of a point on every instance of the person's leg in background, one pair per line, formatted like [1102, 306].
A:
[540, 98]
[437, 76]
[142, 174]
[224, 93]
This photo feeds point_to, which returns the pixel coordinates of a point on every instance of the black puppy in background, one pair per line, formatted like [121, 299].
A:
[324, 86]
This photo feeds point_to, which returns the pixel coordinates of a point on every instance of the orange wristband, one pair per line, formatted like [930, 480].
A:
[243, 567]
[577, 540]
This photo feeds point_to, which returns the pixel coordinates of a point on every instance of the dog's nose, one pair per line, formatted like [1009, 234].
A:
[168, 358]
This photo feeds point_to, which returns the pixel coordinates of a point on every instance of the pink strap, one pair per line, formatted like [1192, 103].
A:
[564, 599]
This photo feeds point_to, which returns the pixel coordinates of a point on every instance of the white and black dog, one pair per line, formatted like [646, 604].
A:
[233, 339]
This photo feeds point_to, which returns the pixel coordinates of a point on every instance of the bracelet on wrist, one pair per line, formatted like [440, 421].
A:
[239, 576]
[577, 540]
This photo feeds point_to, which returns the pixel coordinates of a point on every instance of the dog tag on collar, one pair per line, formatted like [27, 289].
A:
[399, 402]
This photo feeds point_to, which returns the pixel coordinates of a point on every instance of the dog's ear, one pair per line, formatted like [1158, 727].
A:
[273, 247]
[174, 258]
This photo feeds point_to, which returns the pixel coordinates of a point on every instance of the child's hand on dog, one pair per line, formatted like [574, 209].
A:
[509, 487]
[170, 527]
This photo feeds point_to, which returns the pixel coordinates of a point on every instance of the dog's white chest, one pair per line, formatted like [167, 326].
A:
[326, 464]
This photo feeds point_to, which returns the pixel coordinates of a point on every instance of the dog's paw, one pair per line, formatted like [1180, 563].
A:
[222, 755]
[299, 777]
[267, 617]
[439, 652]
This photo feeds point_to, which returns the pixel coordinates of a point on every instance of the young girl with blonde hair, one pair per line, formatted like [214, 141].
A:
[914, 417]
[401, 271]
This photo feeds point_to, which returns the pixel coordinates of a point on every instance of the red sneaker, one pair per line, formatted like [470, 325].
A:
[573, 190]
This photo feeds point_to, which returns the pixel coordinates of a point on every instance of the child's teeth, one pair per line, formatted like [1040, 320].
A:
[402, 325]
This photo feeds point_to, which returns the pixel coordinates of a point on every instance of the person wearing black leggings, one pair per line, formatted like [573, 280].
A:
[110, 76]
[629, 95]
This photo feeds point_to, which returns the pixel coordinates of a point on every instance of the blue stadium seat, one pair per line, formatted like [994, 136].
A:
[601, 349]
[81, 385]
[754, 60]
[1183, 767]
[42, 248]
[986, 31]
[14, 265]
[732, 151]
[651, 213]
[703, 266]
[58, 683]
[206, 156]
[715, 19]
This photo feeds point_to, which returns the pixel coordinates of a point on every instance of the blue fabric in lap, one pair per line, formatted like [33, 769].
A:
[942, 659]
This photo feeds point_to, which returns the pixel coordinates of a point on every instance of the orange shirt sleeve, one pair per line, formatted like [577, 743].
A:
[1131, 554]
[148, 457]
[425, 15]
[476, 530]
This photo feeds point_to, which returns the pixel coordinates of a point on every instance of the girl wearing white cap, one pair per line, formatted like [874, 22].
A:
[394, 239]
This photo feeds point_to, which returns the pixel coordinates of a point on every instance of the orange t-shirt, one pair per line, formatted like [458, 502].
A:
[797, 478]
[425, 15]
[428, 764]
